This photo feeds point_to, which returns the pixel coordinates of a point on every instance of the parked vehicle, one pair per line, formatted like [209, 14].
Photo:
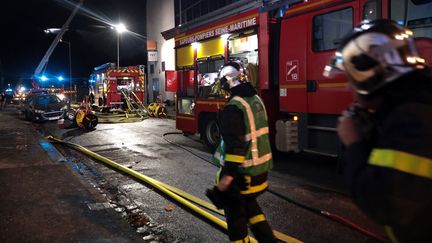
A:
[110, 85]
[44, 107]
[285, 46]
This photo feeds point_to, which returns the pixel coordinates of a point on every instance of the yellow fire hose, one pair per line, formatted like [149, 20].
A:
[120, 118]
[180, 196]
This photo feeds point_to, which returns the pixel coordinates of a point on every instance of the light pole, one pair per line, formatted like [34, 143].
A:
[70, 62]
[120, 28]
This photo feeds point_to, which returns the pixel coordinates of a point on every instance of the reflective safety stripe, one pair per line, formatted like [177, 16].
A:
[390, 234]
[261, 160]
[254, 189]
[260, 132]
[251, 119]
[244, 240]
[402, 161]
[234, 158]
[262, 102]
[256, 219]
[218, 174]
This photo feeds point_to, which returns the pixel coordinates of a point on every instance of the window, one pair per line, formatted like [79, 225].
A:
[415, 14]
[185, 106]
[330, 28]
[207, 76]
[244, 48]
[189, 10]
[209, 66]
[125, 83]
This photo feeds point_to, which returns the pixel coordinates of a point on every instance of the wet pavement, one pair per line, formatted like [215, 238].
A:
[141, 146]
[42, 199]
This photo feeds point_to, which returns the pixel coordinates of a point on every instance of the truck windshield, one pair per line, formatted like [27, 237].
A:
[415, 14]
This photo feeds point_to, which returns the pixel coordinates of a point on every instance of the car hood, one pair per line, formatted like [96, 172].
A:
[50, 107]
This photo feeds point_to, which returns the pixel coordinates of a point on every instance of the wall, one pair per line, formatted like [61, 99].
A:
[160, 17]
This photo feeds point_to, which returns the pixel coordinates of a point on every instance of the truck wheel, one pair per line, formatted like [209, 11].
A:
[211, 133]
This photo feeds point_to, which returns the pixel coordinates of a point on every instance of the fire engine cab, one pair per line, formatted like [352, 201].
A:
[285, 46]
[112, 84]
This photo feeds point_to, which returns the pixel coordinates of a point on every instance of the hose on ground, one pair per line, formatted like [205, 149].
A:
[323, 213]
[178, 195]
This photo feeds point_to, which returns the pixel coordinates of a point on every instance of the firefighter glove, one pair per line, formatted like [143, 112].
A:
[216, 197]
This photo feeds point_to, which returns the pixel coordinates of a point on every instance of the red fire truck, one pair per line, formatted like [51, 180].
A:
[285, 50]
[110, 84]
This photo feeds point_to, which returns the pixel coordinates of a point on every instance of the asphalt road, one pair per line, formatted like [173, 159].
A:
[308, 179]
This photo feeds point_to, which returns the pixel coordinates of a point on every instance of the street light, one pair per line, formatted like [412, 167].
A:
[70, 62]
[120, 28]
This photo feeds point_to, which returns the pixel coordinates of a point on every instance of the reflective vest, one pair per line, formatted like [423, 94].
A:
[258, 157]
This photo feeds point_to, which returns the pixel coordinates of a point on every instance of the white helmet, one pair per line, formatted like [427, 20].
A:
[232, 74]
[375, 54]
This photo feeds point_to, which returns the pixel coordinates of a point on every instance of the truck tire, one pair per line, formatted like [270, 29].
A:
[211, 133]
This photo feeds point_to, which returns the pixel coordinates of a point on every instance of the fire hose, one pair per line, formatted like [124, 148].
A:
[178, 195]
[120, 118]
[323, 213]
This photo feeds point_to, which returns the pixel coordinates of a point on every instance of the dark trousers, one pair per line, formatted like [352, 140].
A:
[244, 211]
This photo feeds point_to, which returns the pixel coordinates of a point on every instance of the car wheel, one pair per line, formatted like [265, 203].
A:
[33, 117]
[27, 117]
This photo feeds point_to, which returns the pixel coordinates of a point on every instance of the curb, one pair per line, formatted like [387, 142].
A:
[52, 152]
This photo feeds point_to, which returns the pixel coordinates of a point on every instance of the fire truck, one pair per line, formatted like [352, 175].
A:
[112, 85]
[285, 46]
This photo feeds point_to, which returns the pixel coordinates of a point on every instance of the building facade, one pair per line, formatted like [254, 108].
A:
[160, 16]
[165, 15]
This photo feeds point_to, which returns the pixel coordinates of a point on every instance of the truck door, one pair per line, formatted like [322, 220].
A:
[327, 28]
[292, 64]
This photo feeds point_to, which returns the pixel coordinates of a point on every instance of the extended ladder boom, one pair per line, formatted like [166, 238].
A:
[50, 50]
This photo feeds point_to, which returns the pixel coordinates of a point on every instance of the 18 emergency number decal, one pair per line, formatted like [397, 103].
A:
[292, 70]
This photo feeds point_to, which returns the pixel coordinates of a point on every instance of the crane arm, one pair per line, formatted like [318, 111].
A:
[53, 45]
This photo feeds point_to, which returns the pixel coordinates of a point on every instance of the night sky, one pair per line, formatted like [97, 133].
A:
[23, 41]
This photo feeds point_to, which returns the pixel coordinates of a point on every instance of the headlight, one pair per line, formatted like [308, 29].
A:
[38, 111]
[64, 108]
[61, 96]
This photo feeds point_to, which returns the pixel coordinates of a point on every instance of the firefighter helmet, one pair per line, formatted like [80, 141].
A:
[374, 54]
[232, 74]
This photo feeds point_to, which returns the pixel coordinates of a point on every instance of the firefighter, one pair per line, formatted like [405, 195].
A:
[2, 100]
[246, 157]
[388, 132]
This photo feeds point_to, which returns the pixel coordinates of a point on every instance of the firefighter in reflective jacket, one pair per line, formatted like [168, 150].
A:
[388, 133]
[245, 157]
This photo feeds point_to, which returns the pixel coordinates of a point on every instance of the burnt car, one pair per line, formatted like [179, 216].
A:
[44, 107]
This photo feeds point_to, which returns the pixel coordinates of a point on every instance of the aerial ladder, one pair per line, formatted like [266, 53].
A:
[43, 63]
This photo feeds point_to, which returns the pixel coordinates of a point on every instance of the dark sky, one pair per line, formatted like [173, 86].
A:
[23, 41]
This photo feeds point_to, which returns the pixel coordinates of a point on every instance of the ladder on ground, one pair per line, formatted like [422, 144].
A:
[134, 105]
